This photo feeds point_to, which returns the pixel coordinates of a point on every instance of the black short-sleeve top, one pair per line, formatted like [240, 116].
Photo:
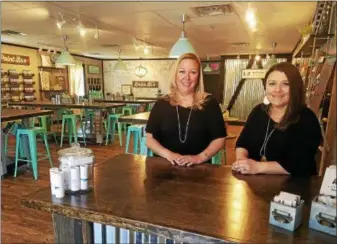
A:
[293, 148]
[204, 126]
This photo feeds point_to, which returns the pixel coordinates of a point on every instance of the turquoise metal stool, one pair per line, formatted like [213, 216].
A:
[137, 131]
[31, 133]
[112, 121]
[89, 116]
[11, 128]
[44, 124]
[126, 110]
[71, 120]
[144, 150]
[59, 115]
[216, 159]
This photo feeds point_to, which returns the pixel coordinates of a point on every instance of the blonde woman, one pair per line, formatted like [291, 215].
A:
[186, 126]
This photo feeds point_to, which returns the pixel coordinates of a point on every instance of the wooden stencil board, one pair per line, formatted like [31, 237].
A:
[330, 133]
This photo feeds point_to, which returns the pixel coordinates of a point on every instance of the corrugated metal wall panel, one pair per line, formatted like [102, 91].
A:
[252, 91]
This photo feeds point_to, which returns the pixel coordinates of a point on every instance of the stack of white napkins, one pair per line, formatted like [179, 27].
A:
[288, 199]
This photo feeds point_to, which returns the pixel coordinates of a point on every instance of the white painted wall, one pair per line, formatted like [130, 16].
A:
[157, 70]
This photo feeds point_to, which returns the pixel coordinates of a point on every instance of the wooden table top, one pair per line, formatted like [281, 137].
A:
[204, 201]
[136, 118]
[140, 101]
[49, 104]
[144, 117]
[8, 114]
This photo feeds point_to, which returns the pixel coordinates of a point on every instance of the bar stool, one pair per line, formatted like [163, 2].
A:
[59, 114]
[89, 115]
[126, 110]
[144, 150]
[137, 131]
[112, 121]
[71, 119]
[44, 124]
[31, 133]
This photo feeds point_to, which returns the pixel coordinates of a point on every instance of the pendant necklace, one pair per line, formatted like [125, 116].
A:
[264, 145]
[179, 129]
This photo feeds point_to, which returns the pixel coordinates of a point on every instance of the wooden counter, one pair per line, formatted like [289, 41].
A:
[99, 131]
[49, 104]
[125, 101]
[201, 204]
[144, 117]
[8, 114]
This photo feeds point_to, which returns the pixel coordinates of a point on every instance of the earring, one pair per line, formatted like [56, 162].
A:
[266, 101]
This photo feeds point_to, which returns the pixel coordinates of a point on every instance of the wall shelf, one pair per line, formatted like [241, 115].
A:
[49, 67]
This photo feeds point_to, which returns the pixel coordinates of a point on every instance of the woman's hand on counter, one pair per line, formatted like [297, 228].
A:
[174, 158]
[246, 166]
[189, 160]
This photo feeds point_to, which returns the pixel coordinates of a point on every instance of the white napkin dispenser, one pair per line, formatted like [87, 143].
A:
[323, 207]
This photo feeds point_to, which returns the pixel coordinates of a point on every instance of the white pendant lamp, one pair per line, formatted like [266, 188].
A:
[183, 45]
[119, 65]
[272, 60]
[65, 58]
[207, 67]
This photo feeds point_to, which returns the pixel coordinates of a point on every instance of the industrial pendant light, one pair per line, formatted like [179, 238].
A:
[207, 67]
[119, 66]
[65, 58]
[272, 60]
[183, 45]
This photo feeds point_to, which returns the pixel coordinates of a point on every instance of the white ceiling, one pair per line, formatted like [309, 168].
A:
[157, 23]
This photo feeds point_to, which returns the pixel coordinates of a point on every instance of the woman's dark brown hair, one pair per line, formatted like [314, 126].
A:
[296, 93]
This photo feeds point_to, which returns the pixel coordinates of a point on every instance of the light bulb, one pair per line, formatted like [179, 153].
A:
[82, 31]
[146, 50]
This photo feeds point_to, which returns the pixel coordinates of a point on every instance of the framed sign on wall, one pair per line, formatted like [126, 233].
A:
[254, 73]
[127, 89]
[93, 69]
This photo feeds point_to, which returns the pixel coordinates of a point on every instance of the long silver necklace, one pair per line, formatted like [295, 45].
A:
[264, 145]
[179, 129]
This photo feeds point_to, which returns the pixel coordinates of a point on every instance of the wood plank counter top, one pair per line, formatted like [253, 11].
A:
[125, 101]
[49, 104]
[204, 203]
[8, 114]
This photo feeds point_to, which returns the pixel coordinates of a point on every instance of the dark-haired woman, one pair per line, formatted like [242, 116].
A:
[281, 135]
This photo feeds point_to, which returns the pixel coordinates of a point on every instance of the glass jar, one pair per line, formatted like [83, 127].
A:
[77, 163]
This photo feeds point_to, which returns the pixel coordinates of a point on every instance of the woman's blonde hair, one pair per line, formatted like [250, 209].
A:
[199, 96]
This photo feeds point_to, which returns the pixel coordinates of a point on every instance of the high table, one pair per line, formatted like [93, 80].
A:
[145, 102]
[138, 101]
[98, 107]
[201, 204]
[142, 118]
[15, 114]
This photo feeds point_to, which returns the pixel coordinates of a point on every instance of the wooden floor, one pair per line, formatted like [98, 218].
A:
[20, 224]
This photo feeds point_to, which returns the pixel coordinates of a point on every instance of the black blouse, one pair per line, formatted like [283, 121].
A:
[204, 126]
[294, 148]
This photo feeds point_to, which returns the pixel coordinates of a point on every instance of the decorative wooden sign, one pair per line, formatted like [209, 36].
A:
[145, 84]
[14, 59]
[253, 73]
